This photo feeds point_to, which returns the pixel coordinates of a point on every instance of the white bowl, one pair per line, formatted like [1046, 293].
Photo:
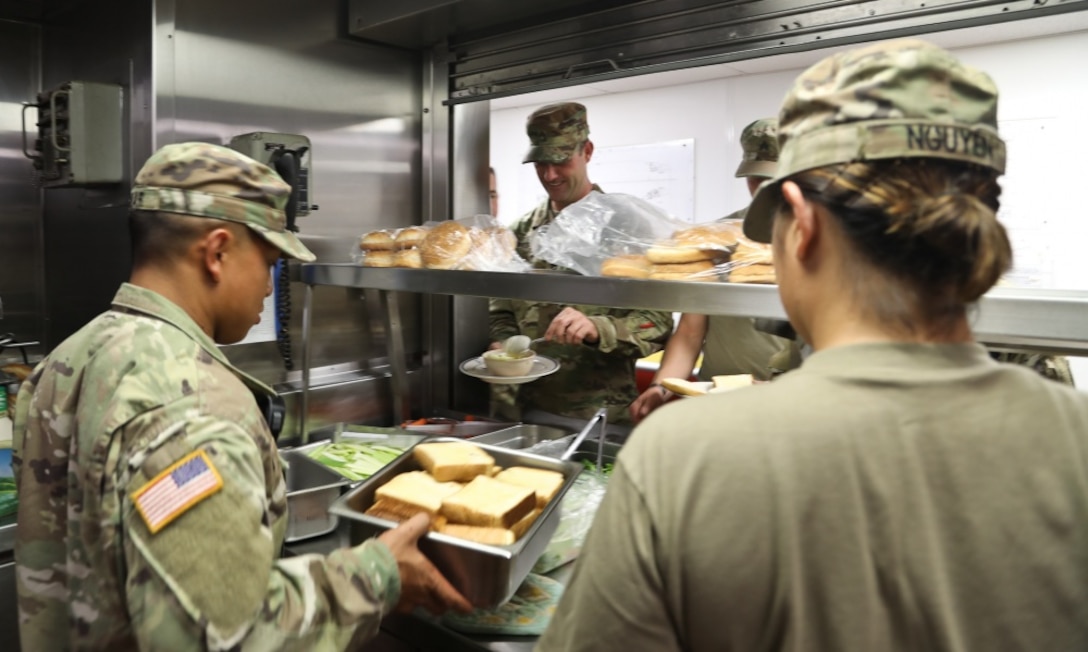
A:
[501, 364]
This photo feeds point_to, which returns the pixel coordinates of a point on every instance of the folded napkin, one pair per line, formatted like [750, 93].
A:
[526, 614]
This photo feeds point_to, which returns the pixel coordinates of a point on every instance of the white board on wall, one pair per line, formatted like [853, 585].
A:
[1032, 217]
[660, 173]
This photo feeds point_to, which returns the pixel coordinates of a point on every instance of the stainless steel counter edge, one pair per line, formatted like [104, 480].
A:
[1050, 320]
[7, 534]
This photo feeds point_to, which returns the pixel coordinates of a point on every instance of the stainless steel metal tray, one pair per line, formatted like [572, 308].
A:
[363, 434]
[522, 435]
[486, 575]
[311, 489]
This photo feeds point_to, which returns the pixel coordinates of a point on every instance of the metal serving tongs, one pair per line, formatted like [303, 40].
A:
[601, 417]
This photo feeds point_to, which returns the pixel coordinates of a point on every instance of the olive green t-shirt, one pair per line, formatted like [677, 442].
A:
[882, 497]
[734, 346]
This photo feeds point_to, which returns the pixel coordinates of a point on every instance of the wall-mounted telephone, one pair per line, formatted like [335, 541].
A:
[79, 135]
[289, 155]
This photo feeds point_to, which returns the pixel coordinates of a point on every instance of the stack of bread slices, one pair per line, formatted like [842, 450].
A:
[466, 494]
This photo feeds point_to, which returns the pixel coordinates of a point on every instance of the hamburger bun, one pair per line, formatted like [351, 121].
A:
[632, 266]
[752, 252]
[720, 236]
[503, 243]
[378, 258]
[376, 241]
[409, 258]
[702, 270]
[671, 253]
[481, 253]
[410, 237]
[445, 246]
[759, 273]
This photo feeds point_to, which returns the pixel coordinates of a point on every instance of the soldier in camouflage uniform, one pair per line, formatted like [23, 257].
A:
[596, 346]
[730, 345]
[152, 502]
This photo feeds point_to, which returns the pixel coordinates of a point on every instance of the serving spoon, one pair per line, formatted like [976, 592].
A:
[519, 344]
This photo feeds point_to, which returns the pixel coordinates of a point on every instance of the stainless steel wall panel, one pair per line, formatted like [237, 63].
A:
[652, 36]
[349, 398]
[471, 155]
[224, 69]
[20, 203]
[86, 243]
[435, 161]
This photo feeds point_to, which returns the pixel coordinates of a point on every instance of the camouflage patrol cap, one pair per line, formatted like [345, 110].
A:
[555, 131]
[898, 99]
[759, 140]
[204, 180]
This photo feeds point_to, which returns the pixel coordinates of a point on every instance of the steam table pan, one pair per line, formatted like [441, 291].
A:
[486, 575]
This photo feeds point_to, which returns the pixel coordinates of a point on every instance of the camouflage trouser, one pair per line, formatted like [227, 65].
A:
[1054, 367]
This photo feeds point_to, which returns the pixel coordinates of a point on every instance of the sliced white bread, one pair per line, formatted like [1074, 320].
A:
[734, 381]
[686, 387]
[418, 489]
[546, 483]
[486, 501]
[453, 461]
[399, 512]
[521, 527]
[492, 536]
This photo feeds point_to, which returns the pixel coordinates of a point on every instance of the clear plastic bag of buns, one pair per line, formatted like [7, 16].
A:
[599, 227]
[477, 243]
[751, 262]
[712, 252]
[391, 247]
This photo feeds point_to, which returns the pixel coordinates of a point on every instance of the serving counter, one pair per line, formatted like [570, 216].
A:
[1053, 321]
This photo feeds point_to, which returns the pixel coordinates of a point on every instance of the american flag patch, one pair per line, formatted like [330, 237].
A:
[169, 494]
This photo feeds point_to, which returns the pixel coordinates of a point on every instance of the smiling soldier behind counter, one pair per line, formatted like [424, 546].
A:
[152, 502]
[595, 346]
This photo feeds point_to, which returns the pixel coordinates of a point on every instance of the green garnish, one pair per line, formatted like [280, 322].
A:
[355, 460]
[592, 466]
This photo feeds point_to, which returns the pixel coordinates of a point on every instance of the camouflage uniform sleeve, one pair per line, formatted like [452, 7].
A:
[636, 333]
[212, 578]
[502, 321]
[1053, 367]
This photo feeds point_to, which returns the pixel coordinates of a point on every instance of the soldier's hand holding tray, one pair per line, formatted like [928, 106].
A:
[421, 585]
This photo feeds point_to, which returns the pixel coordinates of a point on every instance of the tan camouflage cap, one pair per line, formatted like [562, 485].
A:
[759, 140]
[555, 131]
[206, 180]
[904, 98]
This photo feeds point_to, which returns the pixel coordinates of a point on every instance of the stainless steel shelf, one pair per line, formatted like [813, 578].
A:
[1050, 320]
[556, 287]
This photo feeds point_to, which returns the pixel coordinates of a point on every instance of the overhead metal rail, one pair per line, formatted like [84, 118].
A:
[656, 35]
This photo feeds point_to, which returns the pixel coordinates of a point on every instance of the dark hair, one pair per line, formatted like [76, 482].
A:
[928, 225]
[158, 236]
